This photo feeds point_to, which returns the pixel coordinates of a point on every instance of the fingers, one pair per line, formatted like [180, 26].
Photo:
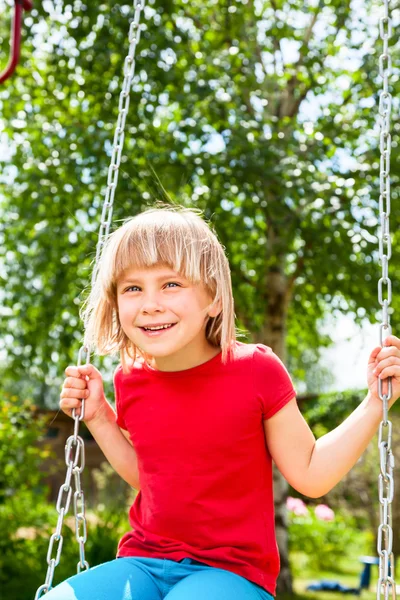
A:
[74, 389]
[72, 398]
[391, 340]
[385, 360]
[391, 347]
[387, 352]
[387, 367]
[374, 354]
[83, 382]
[75, 382]
[83, 372]
[69, 404]
[73, 392]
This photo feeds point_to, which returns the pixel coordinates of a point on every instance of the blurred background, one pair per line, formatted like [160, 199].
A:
[262, 113]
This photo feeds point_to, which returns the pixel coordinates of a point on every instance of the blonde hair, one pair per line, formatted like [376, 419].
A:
[172, 235]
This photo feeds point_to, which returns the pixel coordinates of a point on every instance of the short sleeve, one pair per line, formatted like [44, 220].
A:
[273, 385]
[117, 392]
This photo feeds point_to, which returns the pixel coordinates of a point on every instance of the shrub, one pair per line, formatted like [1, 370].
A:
[29, 548]
[323, 537]
[27, 520]
[23, 509]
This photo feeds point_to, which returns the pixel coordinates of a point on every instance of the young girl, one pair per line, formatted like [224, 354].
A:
[199, 418]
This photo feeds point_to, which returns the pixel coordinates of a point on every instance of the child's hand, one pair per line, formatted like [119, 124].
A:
[83, 383]
[385, 362]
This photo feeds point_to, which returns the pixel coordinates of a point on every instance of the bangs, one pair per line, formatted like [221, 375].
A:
[152, 239]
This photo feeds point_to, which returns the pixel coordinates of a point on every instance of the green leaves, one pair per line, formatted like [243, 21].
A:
[263, 116]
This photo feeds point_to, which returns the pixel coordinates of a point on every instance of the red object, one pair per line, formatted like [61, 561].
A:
[204, 468]
[20, 6]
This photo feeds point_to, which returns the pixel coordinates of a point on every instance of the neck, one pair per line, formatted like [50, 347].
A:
[184, 360]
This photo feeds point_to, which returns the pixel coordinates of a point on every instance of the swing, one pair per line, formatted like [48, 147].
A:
[75, 450]
[20, 6]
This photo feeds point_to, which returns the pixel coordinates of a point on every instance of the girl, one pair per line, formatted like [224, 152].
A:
[199, 418]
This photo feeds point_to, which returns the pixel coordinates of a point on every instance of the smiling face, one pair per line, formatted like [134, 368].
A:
[159, 296]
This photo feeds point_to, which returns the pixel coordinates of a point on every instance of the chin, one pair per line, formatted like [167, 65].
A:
[163, 353]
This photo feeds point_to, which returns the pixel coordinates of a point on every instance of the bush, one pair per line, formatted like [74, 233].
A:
[22, 497]
[27, 520]
[29, 548]
[323, 537]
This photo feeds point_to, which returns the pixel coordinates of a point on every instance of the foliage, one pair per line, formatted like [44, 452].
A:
[357, 493]
[106, 479]
[324, 412]
[26, 519]
[105, 534]
[260, 113]
[324, 543]
[22, 495]
[20, 457]
[31, 550]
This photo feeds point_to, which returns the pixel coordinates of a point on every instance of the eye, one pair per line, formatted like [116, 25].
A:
[134, 288]
[173, 283]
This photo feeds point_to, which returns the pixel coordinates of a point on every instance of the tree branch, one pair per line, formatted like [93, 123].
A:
[287, 107]
[275, 41]
[298, 270]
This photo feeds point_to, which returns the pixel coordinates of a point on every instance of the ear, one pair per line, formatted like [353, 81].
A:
[215, 309]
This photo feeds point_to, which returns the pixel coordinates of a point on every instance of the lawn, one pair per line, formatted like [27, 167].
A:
[348, 574]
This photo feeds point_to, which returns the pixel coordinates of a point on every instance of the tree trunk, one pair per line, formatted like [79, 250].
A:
[284, 585]
[274, 334]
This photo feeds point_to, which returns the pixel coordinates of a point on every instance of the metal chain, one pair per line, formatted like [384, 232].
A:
[119, 135]
[386, 582]
[75, 448]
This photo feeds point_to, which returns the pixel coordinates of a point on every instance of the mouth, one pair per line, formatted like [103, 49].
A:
[157, 332]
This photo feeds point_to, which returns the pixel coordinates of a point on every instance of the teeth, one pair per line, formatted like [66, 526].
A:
[157, 328]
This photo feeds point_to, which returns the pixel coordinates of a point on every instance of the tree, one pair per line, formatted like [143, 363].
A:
[261, 114]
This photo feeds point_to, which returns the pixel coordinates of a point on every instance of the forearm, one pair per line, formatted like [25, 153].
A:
[335, 453]
[118, 451]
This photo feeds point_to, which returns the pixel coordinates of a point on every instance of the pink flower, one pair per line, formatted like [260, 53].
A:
[324, 513]
[297, 506]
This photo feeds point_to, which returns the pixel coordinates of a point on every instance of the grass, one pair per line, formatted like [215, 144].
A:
[347, 574]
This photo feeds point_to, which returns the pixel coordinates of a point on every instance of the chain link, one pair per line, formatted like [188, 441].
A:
[119, 135]
[75, 447]
[74, 450]
[386, 582]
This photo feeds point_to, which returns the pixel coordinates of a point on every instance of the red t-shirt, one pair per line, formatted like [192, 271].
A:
[204, 467]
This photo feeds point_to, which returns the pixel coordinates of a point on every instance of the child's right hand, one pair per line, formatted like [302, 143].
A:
[84, 382]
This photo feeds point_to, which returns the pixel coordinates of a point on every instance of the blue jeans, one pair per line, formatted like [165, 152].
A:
[137, 578]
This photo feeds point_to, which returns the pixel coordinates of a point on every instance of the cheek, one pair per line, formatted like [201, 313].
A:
[184, 306]
[193, 309]
[188, 308]
[125, 312]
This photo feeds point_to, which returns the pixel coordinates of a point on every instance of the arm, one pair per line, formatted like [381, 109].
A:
[116, 446]
[315, 467]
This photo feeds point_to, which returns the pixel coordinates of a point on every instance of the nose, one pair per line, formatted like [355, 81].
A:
[151, 305]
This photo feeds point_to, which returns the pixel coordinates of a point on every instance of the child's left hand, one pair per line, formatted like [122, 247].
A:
[384, 362]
